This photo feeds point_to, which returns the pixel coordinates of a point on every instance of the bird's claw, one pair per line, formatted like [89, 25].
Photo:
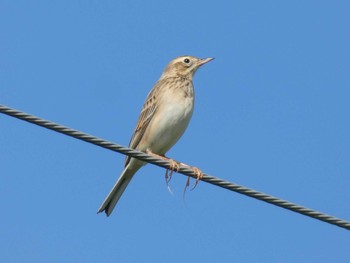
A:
[174, 166]
[199, 175]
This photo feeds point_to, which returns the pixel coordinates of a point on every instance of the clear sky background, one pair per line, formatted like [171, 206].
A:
[272, 113]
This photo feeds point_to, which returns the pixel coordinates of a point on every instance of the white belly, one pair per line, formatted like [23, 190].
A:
[168, 125]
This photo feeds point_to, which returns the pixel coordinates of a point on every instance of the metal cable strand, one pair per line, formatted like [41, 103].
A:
[183, 169]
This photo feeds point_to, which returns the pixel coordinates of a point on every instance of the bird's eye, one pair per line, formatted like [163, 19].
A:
[186, 60]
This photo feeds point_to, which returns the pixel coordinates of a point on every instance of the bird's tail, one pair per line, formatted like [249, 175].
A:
[117, 191]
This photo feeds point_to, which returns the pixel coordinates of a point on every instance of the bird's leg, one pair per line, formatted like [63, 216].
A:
[199, 176]
[198, 173]
[174, 166]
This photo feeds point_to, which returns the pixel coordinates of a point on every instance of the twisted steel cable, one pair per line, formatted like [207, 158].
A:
[183, 169]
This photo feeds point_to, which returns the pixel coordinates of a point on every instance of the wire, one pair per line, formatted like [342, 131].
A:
[183, 169]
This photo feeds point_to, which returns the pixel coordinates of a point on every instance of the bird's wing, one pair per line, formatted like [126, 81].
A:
[148, 110]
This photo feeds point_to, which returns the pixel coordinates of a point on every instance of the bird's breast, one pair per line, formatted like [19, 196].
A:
[170, 121]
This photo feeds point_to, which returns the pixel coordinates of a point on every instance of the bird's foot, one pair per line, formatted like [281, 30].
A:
[174, 166]
[199, 175]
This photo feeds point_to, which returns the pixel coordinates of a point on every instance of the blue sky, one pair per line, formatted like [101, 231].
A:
[272, 113]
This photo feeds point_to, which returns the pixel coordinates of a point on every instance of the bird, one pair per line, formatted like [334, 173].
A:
[164, 118]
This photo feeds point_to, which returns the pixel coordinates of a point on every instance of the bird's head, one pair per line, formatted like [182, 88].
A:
[184, 66]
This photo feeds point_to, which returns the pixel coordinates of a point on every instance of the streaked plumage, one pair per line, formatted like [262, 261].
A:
[163, 119]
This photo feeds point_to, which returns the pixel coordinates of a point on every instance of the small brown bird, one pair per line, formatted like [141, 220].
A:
[164, 118]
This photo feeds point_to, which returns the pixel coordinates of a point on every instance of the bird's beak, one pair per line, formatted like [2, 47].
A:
[204, 61]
